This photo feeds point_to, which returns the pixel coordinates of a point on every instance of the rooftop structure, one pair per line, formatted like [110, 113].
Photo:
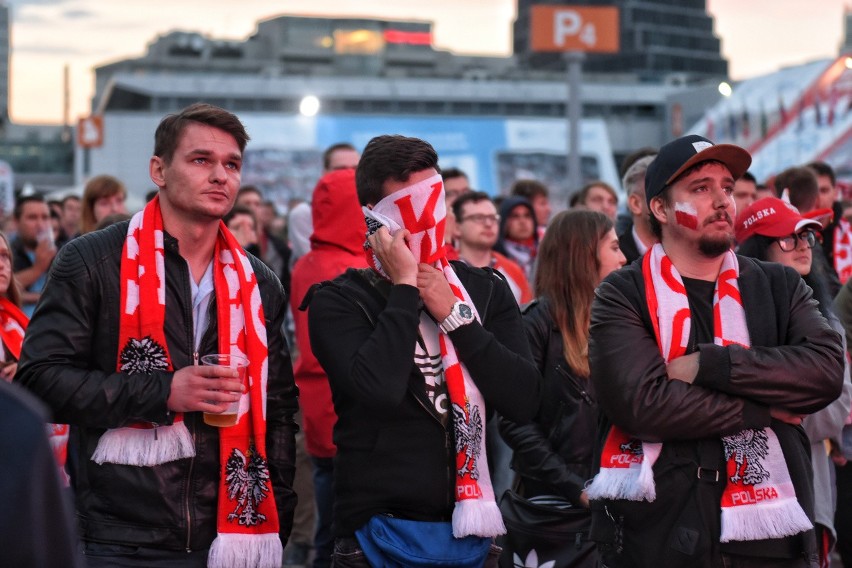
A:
[659, 39]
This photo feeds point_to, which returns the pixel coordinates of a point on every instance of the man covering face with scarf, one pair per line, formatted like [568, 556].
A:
[418, 351]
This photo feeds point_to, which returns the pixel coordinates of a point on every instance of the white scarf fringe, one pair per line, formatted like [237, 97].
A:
[237, 550]
[145, 446]
[779, 519]
[477, 517]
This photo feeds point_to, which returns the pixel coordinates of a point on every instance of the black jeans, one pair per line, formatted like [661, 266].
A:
[100, 555]
[324, 497]
[735, 561]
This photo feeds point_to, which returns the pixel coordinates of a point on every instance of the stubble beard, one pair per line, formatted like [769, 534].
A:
[713, 247]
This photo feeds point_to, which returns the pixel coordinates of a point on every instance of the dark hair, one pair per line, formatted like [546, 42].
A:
[567, 269]
[97, 187]
[68, 198]
[802, 185]
[391, 157]
[170, 129]
[529, 188]
[468, 197]
[326, 156]
[634, 157]
[112, 219]
[749, 177]
[249, 189]
[574, 200]
[823, 169]
[757, 246]
[24, 199]
[151, 195]
[271, 205]
[583, 194]
[656, 227]
[452, 173]
[765, 187]
[239, 210]
[13, 292]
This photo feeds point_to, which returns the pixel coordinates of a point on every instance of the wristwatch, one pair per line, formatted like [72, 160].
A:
[461, 314]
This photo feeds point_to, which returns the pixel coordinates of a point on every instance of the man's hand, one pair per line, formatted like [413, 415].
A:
[8, 370]
[205, 388]
[397, 259]
[683, 368]
[44, 252]
[785, 415]
[435, 291]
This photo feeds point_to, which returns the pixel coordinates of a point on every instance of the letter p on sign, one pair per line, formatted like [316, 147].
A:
[574, 28]
[566, 23]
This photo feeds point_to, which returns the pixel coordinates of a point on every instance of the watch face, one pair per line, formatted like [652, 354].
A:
[465, 311]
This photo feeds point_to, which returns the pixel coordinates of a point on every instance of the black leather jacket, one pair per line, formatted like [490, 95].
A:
[795, 362]
[69, 360]
[553, 454]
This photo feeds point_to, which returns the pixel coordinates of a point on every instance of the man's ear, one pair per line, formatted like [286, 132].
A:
[633, 204]
[658, 209]
[155, 171]
[456, 229]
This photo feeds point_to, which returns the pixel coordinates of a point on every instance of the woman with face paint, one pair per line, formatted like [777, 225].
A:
[553, 454]
[773, 230]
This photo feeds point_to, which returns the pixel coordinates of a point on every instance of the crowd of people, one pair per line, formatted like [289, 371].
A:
[418, 373]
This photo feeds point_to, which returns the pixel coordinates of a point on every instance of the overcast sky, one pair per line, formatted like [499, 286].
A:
[758, 36]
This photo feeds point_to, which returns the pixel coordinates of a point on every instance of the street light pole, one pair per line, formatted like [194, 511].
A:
[574, 114]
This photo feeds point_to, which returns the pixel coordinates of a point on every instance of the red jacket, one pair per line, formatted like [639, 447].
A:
[336, 244]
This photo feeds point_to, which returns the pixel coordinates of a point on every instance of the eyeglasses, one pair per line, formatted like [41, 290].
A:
[482, 219]
[789, 244]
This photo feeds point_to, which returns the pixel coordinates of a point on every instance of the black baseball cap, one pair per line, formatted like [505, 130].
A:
[679, 155]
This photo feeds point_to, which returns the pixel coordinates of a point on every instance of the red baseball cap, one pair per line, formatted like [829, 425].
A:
[771, 217]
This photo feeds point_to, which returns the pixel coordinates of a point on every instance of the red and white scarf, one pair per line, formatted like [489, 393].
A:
[13, 325]
[247, 519]
[759, 501]
[421, 209]
[843, 250]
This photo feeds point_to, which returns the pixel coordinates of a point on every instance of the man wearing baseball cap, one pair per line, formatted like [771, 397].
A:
[704, 363]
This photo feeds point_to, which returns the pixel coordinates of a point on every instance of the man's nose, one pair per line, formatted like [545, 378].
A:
[218, 173]
[721, 198]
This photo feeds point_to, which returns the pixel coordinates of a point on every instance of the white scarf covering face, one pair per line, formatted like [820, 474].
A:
[759, 501]
[421, 209]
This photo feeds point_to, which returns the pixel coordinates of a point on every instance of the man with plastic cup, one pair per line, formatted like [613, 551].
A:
[115, 348]
[33, 249]
[230, 415]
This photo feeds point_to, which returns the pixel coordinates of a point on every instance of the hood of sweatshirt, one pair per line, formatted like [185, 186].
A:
[337, 216]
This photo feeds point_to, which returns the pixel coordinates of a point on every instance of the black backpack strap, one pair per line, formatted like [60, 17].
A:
[363, 287]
